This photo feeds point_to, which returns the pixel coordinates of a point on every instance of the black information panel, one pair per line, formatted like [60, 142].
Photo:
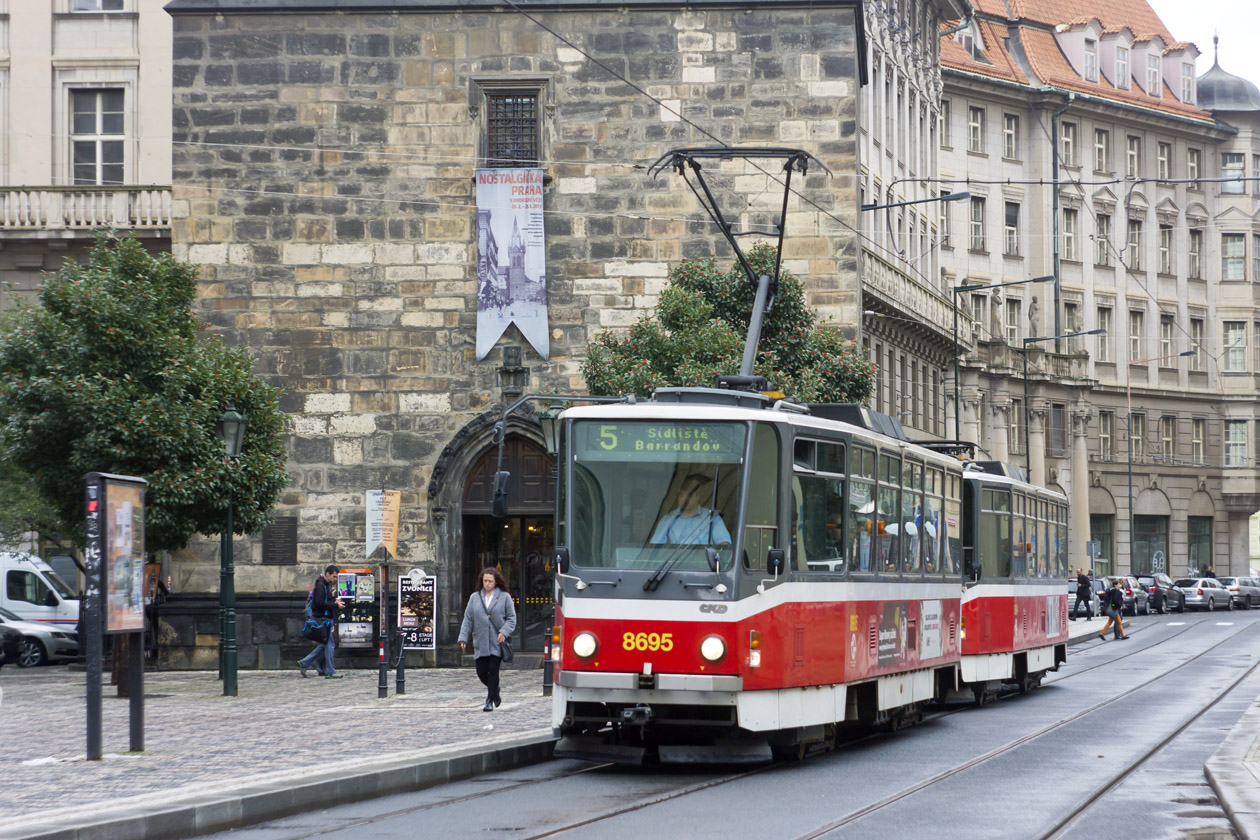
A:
[279, 542]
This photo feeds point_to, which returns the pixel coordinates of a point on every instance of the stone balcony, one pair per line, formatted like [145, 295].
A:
[69, 212]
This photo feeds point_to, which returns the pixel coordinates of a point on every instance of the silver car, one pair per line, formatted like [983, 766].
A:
[41, 643]
[1245, 590]
[1204, 593]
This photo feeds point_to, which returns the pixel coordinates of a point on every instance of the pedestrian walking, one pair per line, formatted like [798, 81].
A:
[1115, 606]
[489, 620]
[324, 608]
[1082, 594]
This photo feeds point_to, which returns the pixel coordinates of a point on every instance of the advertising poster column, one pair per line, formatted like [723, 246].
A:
[417, 594]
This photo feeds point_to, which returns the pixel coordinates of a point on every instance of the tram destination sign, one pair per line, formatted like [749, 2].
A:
[657, 441]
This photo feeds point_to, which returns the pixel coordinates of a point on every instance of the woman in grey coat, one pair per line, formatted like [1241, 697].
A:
[489, 619]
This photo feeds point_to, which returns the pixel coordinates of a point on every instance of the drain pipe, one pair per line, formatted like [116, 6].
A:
[1054, 181]
[968, 14]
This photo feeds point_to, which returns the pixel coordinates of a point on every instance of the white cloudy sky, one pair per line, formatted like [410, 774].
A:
[1236, 21]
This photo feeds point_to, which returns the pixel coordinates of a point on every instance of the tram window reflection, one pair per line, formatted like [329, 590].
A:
[860, 512]
[762, 510]
[951, 526]
[995, 534]
[818, 544]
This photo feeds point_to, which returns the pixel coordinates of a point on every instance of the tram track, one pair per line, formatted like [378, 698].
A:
[945, 775]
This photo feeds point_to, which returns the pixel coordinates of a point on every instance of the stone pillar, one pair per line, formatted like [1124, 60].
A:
[1001, 417]
[1037, 444]
[1077, 486]
[1238, 561]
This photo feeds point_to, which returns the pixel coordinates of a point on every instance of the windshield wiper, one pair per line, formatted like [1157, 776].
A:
[654, 581]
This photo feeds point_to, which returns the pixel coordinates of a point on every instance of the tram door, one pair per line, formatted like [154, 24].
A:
[519, 545]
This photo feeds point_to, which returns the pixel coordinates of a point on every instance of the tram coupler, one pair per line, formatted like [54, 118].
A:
[548, 665]
[636, 715]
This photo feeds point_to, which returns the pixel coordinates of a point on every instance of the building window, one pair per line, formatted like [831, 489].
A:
[1067, 143]
[1198, 432]
[1187, 83]
[1166, 339]
[1232, 167]
[1167, 438]
[945, 228]
[1102, 239]
[1255, 173]
[1137, 326]
[946, 132]
[1071, 312]
[96, 6]
[1010, 230]
[1196, 343]
[1069, 234]
[1015, 432]
[512, 128]
[1154, 87]
[1133, 254]
[1255, 257]
[1010, 136]
[1102, 150]
[1012, 321]
[1103, 349]
[1235, 346]
[1106, 430]
[1122, 68]
[96, 142]
[1091, 60]
[1137, 436]
[1255, 346]
[1194, 159]
[1195, 268]
[1233, 256]
[1165, 249]
[890, 111]
[975, 130]
[976, 242]
[1235, 443]
[1133, 157]
[1056, 435]
[1102, 531]
[1163, 161]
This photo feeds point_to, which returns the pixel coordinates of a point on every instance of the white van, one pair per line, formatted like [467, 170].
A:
[33, 591]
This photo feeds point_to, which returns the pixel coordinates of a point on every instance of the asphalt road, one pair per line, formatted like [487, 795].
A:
[1113, 745]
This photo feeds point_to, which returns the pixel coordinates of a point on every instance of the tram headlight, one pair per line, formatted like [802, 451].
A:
[585, 645]
[713, 648]
[754, 648]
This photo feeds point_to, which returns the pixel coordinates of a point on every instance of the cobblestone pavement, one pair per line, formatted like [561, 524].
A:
[195, 737]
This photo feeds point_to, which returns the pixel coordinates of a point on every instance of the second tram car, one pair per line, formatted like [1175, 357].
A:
[739, 577]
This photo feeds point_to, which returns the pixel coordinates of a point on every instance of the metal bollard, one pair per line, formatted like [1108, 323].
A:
[400, 681]
[382, 669]
[548, 666]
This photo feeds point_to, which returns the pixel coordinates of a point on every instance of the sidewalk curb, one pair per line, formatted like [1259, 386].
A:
[1232, 773]
[290, 794]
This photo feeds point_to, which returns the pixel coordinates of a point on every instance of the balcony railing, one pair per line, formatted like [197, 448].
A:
[82, 208]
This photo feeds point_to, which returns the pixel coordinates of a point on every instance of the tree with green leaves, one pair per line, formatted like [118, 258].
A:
[111, 372]
[697, 332]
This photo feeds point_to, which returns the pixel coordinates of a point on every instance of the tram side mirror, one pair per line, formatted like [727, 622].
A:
[711, 554]
[775, 561]
[499, 504]
[562, 559]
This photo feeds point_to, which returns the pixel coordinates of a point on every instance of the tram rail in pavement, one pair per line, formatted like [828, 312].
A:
[238, 800]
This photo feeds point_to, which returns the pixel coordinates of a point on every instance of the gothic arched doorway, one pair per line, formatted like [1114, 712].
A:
[519, 545]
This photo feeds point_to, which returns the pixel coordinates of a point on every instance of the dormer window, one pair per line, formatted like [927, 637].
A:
[1154, 87]
[1091, 60]
[1122, 68]
[1187, 83]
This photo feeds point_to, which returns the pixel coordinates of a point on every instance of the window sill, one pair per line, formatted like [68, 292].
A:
[1105, 266]
[1167, 275]
[1006, 159]
[1012, 256]
[1070, 260]
[979, 252]
[974, 153]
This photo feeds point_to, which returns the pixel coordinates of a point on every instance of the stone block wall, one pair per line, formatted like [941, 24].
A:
[323, 176]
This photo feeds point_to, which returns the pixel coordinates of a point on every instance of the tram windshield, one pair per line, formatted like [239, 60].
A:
[648, 494]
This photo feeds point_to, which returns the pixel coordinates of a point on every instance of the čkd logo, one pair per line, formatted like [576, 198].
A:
[713, 608]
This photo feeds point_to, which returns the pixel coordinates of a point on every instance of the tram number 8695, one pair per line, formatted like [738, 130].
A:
[648, 641]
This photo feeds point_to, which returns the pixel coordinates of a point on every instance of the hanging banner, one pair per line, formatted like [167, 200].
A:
[417, 594]
[511, 258]
[382, 520]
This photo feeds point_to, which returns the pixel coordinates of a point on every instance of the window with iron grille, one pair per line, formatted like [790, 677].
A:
[511, 128]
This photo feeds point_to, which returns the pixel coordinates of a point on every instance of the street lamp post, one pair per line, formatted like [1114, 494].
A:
[232, 432]
[1027, 413]
[1128, 402]
[958, 290]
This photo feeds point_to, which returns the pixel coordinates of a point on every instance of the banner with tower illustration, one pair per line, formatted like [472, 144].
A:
[511, 258]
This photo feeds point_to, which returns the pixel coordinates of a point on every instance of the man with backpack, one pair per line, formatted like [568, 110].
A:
[323, 611]
[1115, 609]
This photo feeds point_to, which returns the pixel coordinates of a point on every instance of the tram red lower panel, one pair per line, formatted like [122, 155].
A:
[1006, 621]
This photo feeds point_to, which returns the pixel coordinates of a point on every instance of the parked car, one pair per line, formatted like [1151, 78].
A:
[1136, 599]
[41, 643]
[1160, 588]
[35, 592]
[1244, 591]
[1204, 593]
[1094, 605]
[10, 645]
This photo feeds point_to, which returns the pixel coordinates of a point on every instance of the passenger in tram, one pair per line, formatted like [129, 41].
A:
[690, 523]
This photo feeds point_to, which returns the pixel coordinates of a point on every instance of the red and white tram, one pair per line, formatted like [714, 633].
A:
[741, 576]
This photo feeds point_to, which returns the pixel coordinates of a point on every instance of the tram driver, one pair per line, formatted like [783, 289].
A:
[690, 523]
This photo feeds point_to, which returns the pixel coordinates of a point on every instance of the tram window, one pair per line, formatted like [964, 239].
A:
[931, 526]
[762, 511]
[995, 534]
[1019, 553]
[887, 533]
[818, 544]
[803, 454]
[951, 527]
[1061, 544]
[912, 519]
[1046, 562]
[831, 458]
[649, 492]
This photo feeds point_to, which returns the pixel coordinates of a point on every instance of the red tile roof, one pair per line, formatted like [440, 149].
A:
[1003, 66]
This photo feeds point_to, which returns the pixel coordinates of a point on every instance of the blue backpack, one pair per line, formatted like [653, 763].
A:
[315, 629]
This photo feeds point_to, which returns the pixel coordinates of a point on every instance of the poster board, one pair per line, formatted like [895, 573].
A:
[417, 599]
[356, 587]
[122, 572]
[381, 522]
